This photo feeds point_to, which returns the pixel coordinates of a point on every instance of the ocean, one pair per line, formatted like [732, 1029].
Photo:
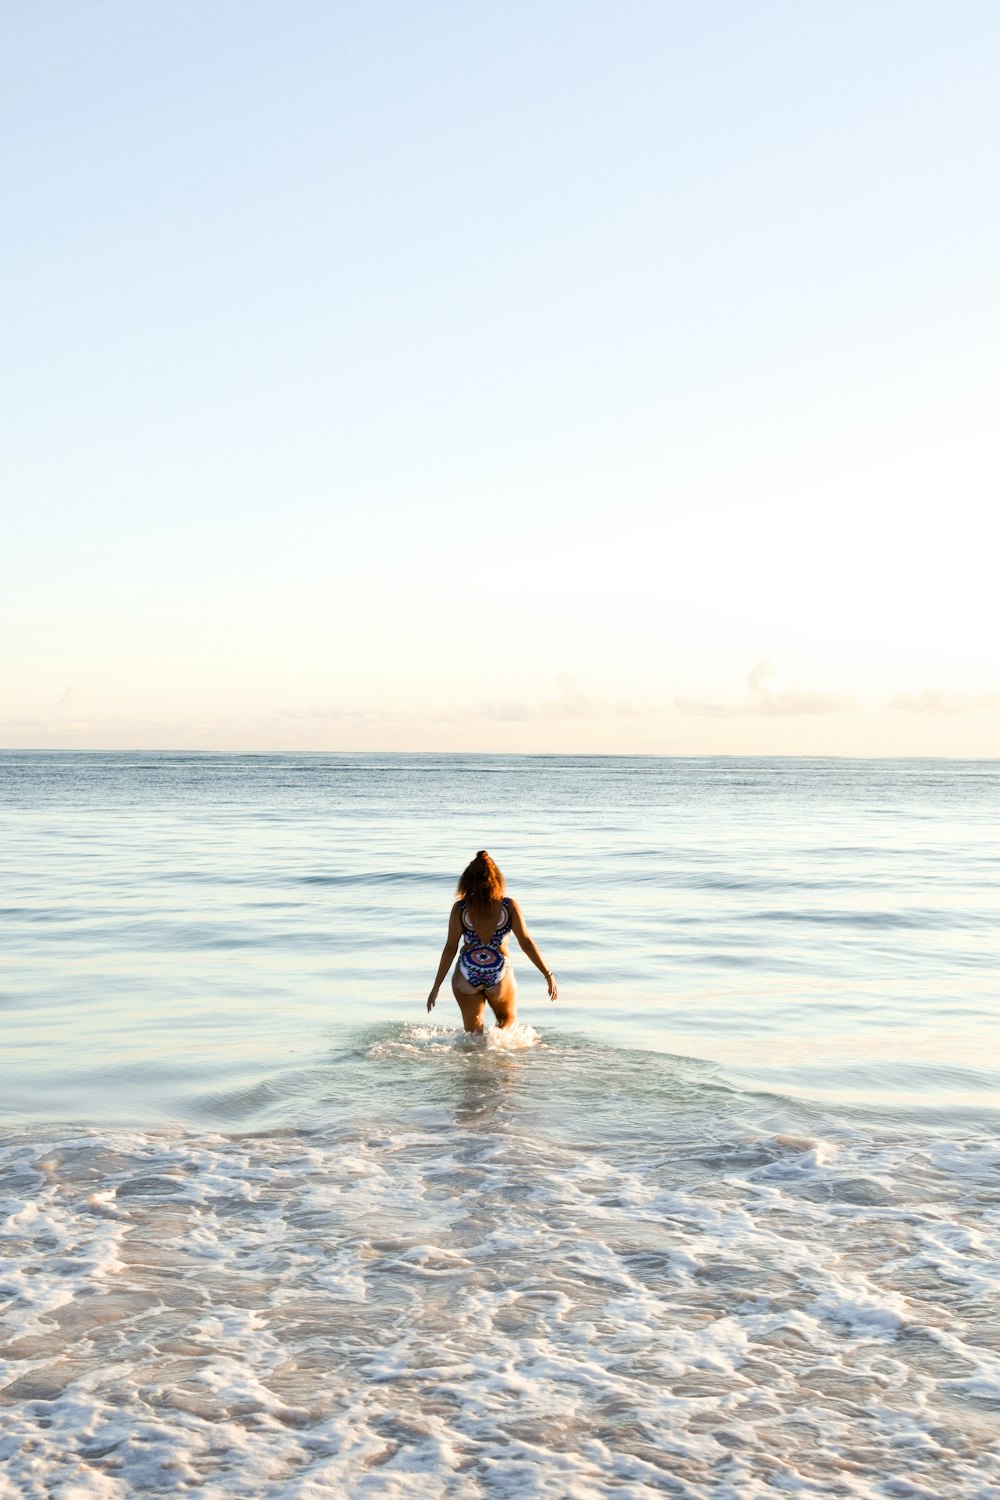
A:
[722, 1222]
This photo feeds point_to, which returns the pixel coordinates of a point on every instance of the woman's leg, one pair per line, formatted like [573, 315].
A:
[503, 999]
[470, 1002]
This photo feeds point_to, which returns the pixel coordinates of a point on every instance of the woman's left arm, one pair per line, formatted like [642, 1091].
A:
[524, 938]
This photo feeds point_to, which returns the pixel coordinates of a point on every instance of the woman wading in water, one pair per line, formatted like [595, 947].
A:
[482, 920]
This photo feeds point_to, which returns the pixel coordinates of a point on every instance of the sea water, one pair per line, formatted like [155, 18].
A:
[722, 1222]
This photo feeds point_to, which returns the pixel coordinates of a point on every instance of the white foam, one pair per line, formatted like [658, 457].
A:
[438, 1310]
[414, 1040]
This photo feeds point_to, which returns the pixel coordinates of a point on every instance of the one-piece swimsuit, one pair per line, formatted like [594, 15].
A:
[484, 964]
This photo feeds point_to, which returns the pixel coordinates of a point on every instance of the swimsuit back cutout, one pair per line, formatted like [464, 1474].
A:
[500, 931]
[484, 963]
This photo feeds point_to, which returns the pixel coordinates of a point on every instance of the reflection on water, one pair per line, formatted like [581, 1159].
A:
[485, 1093]
[479, 1078]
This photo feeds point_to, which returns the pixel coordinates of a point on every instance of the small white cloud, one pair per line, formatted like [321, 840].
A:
[770, 697]
[938, 701]
[702, 708]
[570, 702]
[69, 715]
[763, 678]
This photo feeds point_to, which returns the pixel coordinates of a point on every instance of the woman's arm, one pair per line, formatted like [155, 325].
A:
[447, 953]
[524, 938]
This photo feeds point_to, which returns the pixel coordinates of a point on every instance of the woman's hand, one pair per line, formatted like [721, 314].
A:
[553, 987]
[432, 997]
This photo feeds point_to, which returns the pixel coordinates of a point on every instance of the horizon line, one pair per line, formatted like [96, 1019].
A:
[486, 754]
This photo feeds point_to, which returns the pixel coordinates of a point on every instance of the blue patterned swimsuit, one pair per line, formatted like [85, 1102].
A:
[484, 964]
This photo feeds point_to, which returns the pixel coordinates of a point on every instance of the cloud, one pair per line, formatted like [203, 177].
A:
[70, 710]
[939, 701]
[570, 702]
[769, 697]
[68, 704]
[701, 708]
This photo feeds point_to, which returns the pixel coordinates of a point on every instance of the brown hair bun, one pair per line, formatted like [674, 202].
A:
[481, 883]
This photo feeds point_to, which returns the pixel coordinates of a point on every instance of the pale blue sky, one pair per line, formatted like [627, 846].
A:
[515, 375]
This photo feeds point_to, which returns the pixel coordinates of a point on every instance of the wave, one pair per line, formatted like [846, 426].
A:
[417, 1041]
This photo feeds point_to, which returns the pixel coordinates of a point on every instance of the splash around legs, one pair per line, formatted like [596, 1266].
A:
[502, 999]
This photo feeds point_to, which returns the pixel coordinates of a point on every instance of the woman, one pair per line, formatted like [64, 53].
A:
[482, 920]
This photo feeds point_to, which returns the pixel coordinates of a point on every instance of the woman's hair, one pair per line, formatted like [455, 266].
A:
[480, 883]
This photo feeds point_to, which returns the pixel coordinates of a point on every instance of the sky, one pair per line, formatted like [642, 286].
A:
[552, 375]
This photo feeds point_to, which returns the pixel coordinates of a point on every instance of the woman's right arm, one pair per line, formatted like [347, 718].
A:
[447, 952]
[527, 945]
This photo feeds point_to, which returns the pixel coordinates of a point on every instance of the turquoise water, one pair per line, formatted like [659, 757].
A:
[723, 1221]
